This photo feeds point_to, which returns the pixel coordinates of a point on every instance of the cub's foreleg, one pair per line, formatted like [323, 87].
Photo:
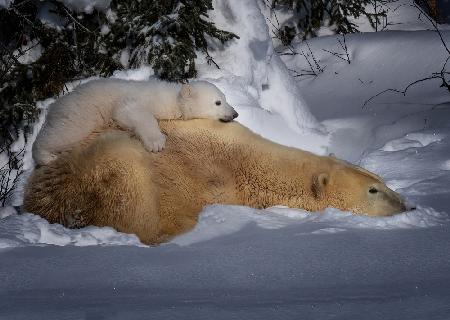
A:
[139, 119]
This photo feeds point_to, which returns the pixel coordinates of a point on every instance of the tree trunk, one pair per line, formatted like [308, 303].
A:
[433, 9]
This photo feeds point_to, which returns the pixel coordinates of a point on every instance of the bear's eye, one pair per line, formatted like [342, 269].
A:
[218, 103]
[373, 190]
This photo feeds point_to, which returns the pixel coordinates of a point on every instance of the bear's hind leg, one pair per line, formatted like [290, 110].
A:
[108, 183]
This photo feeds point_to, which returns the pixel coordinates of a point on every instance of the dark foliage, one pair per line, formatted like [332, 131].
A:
[165, 34]
[310, 15]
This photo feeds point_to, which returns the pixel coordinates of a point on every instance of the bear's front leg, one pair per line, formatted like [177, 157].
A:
[143, 123]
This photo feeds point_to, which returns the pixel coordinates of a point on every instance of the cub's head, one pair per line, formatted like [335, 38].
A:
[352, 188]
[201, 99]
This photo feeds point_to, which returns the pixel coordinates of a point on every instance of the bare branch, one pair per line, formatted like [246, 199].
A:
[10, 174]
[403, 92]
[344, 47]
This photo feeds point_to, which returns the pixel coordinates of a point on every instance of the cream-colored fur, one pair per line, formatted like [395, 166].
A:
[133, 105]
[115, 182]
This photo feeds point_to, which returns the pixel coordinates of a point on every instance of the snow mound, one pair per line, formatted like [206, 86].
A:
[29, 229]
[251, 74]
[412, 140]
[422, 158]
[215, 221]
[370, 72]
[223, 220]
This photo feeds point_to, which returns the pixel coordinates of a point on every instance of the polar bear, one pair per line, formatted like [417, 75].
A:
[133, 105]
[114, 182]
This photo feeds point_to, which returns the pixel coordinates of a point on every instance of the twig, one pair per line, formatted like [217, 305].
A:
[344, 47]
[319, 68]
[306, 73]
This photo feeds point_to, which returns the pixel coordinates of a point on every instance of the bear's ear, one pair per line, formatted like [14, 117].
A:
[185, 91]
[319, 184]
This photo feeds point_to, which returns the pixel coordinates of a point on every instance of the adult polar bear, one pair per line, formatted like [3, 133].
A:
[133, 105]
[114, 182]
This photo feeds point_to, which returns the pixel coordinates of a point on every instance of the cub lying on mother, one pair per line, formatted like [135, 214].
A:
[133, 105]
[114, 182]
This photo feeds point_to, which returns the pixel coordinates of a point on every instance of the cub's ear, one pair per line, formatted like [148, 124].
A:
[186, 91]
[319, 184]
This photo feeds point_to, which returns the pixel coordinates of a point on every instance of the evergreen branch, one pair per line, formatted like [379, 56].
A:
[75, 20]
[210, 60]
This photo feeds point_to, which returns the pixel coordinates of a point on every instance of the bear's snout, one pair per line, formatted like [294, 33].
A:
[230, 118]
[397, 202]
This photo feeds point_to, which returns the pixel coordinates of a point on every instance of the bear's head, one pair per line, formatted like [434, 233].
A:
[201, 99]
[352, 188]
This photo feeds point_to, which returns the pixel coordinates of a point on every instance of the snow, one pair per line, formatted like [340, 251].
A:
[125, 58]
[220, 220]
[276, 263]
[382, 54]
[446, 165]
[7, 211]
[141, 74]
[28, 229]
[5, 3]
[29, 53]
[87, 6]
[104, 30]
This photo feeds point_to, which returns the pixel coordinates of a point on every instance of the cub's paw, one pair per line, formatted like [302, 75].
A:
[155, 143]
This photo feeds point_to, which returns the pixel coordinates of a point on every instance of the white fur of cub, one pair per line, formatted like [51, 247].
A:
[134, 105]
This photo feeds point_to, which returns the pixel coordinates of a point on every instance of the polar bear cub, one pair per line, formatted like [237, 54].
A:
[134, 105]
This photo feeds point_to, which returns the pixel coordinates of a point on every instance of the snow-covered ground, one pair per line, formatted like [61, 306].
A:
[278, 263]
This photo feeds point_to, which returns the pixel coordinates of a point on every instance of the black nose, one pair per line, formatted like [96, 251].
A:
[235, 114]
